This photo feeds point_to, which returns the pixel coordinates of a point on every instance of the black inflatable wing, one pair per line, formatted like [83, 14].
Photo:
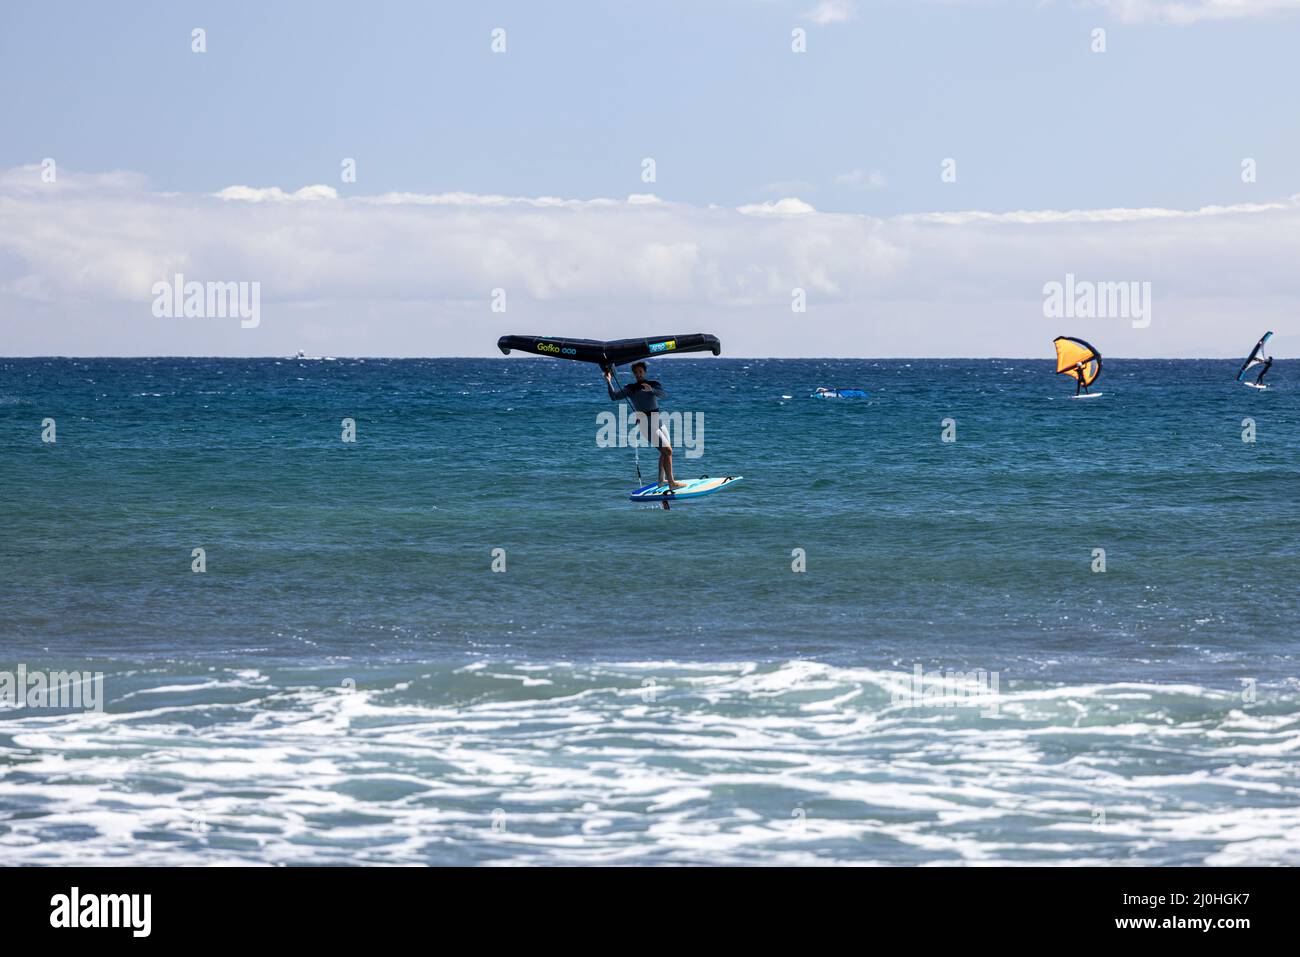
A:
[615, 352]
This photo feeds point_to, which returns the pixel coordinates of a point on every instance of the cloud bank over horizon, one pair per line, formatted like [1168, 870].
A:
[1175, 12]
[1184, 12]
[407, 274]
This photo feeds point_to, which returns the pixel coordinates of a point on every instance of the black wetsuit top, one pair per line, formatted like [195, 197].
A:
[642, 399]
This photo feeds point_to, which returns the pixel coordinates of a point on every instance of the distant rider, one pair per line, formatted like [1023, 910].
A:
[1268, 364]
[1078, 375]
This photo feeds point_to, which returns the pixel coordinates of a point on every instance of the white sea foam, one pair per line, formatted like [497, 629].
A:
[793, 763]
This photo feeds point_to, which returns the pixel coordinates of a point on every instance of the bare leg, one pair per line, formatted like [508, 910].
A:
[666, 465]
[659, 438]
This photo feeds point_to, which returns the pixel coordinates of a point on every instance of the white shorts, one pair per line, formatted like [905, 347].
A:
[643, 422]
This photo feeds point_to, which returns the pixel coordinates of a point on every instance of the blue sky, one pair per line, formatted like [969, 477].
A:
[145, 131]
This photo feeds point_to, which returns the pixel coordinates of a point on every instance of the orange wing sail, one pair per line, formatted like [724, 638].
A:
[1077, 359]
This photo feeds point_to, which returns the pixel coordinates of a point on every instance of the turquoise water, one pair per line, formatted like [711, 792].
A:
[350, 681]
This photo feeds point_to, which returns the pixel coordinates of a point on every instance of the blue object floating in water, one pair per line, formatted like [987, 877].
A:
[839, 394]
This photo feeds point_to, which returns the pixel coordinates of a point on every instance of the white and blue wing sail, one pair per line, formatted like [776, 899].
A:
[1254, 359]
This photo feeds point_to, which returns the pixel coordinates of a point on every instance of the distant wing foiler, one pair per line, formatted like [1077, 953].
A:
[1070, 352]
[614, 352]
[1253, 359]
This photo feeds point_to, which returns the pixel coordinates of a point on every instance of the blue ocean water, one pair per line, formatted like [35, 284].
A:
[350, 681]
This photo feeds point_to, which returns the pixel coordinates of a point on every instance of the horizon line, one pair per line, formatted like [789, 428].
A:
[283, 358]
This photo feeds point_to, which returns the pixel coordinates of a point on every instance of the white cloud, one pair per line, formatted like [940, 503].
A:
[21, 180]
[274, 194]
[831, 11]
[1178, 12]
[790, 206]
[1195, 11]
[412, 274]
[492, 199]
